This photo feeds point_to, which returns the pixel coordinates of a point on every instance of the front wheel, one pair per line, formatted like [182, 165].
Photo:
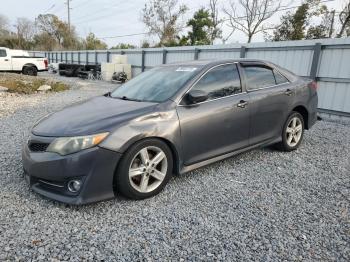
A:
[293, 132]
[144, 169]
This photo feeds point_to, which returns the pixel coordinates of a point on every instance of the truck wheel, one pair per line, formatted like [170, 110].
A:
[30, 70]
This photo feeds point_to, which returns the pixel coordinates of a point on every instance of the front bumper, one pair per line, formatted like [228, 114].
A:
[48, 173]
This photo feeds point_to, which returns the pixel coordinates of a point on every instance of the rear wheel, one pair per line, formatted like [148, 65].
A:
[30, 70]
[144, 169]
[293, 132]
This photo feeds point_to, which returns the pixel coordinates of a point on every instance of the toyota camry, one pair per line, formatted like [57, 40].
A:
[168, 120]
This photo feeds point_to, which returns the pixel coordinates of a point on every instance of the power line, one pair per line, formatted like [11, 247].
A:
[47, 10]
[118, 36]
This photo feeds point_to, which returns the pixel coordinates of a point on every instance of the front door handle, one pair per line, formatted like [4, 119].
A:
[242, 104]
[288, 92]
[6, 60]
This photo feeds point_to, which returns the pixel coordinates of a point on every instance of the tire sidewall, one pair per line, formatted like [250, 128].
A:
[284, 132]
[122, 182]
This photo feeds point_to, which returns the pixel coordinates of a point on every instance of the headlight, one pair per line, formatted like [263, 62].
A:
[69, 145]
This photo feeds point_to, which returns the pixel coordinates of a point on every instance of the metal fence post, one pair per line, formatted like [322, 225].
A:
[66, 55]
[95, 57]
[242, 52]
[315, 61]
[87, 57]
[72, 57]
[107, 58]
[56, 57]
[61, 57]
[79, 58]
[143, 56]
[164, 55]
[196, 53]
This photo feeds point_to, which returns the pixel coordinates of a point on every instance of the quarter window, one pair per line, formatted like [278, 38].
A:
[220, 81]
[280, 79]
[3, 53]
[259, 77]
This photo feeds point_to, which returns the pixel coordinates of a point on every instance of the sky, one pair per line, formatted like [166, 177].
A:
[109, 18]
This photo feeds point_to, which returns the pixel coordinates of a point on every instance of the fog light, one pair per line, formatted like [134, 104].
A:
[74, 186]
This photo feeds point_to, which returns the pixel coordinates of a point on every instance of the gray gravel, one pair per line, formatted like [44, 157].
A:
[262, 205]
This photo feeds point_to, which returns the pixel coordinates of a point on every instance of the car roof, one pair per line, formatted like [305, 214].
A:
[213, 62]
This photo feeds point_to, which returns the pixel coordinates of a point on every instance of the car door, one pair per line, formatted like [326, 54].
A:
[270, 97]
[5, 61]
[221, 123]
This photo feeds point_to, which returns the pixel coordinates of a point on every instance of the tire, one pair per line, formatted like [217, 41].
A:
[30, 70]
[293, 132]
[135, 178]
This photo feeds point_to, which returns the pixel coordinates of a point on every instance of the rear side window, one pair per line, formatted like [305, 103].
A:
[220, 81]
[259, 77]
[3, 53]
[280, 79]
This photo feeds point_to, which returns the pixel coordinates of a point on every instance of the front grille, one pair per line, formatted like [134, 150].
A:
[38, 147]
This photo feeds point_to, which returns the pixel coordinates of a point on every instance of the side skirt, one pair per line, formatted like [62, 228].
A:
[265, 143]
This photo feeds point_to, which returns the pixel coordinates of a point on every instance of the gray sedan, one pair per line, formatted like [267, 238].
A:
[169, 120]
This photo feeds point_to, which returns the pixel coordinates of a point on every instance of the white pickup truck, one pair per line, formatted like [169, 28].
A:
[21, 62]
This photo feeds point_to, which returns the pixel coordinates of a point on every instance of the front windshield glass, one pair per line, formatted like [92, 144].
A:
[156, 85]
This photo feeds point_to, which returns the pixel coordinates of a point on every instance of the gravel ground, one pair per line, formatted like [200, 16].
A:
[262, 205]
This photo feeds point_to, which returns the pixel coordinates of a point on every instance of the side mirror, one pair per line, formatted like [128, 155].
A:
[196, 96]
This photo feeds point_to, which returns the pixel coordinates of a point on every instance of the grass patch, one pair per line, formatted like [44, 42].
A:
[21, 84]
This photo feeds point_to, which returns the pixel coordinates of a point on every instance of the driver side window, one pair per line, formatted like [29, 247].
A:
[220, 81]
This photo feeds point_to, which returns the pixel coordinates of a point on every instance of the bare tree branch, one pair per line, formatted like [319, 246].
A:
[253, 15]
[344, 18]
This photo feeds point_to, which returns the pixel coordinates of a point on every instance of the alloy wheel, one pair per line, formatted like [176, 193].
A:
[294, 131]
[148, 169]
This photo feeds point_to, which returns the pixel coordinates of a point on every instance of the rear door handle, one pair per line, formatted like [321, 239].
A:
[288, 92]
[242, 104]
[6, 60]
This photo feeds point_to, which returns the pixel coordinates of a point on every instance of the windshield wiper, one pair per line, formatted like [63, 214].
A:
[128, 99]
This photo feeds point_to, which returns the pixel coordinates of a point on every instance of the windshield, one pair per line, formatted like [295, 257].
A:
[156, 85]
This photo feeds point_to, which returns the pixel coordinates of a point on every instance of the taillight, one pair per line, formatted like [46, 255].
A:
[46, 63]
[313, 85]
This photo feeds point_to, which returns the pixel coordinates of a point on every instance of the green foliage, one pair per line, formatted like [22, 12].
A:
[123, 46]
[296, 26]
[93, 43]
[200, 28]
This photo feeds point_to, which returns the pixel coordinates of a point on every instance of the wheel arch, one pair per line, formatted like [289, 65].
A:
[304, 113]
[29, 65]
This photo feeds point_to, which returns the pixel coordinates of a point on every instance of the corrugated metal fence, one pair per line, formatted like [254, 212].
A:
[326, 60]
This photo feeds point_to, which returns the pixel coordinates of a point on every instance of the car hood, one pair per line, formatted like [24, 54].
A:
[96, 115]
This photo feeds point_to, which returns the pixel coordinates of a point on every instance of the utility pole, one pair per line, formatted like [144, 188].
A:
[332, 24]
[68, 9]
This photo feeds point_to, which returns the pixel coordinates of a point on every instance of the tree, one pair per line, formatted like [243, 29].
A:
[51, 25]
[25, 32]
[200, 25]
[324, 29]
[123, 46]
[93, 43]
[215, 29]
[296, 26]
[344, 18]
[162, 19]
[254, 14]
[3, 25]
